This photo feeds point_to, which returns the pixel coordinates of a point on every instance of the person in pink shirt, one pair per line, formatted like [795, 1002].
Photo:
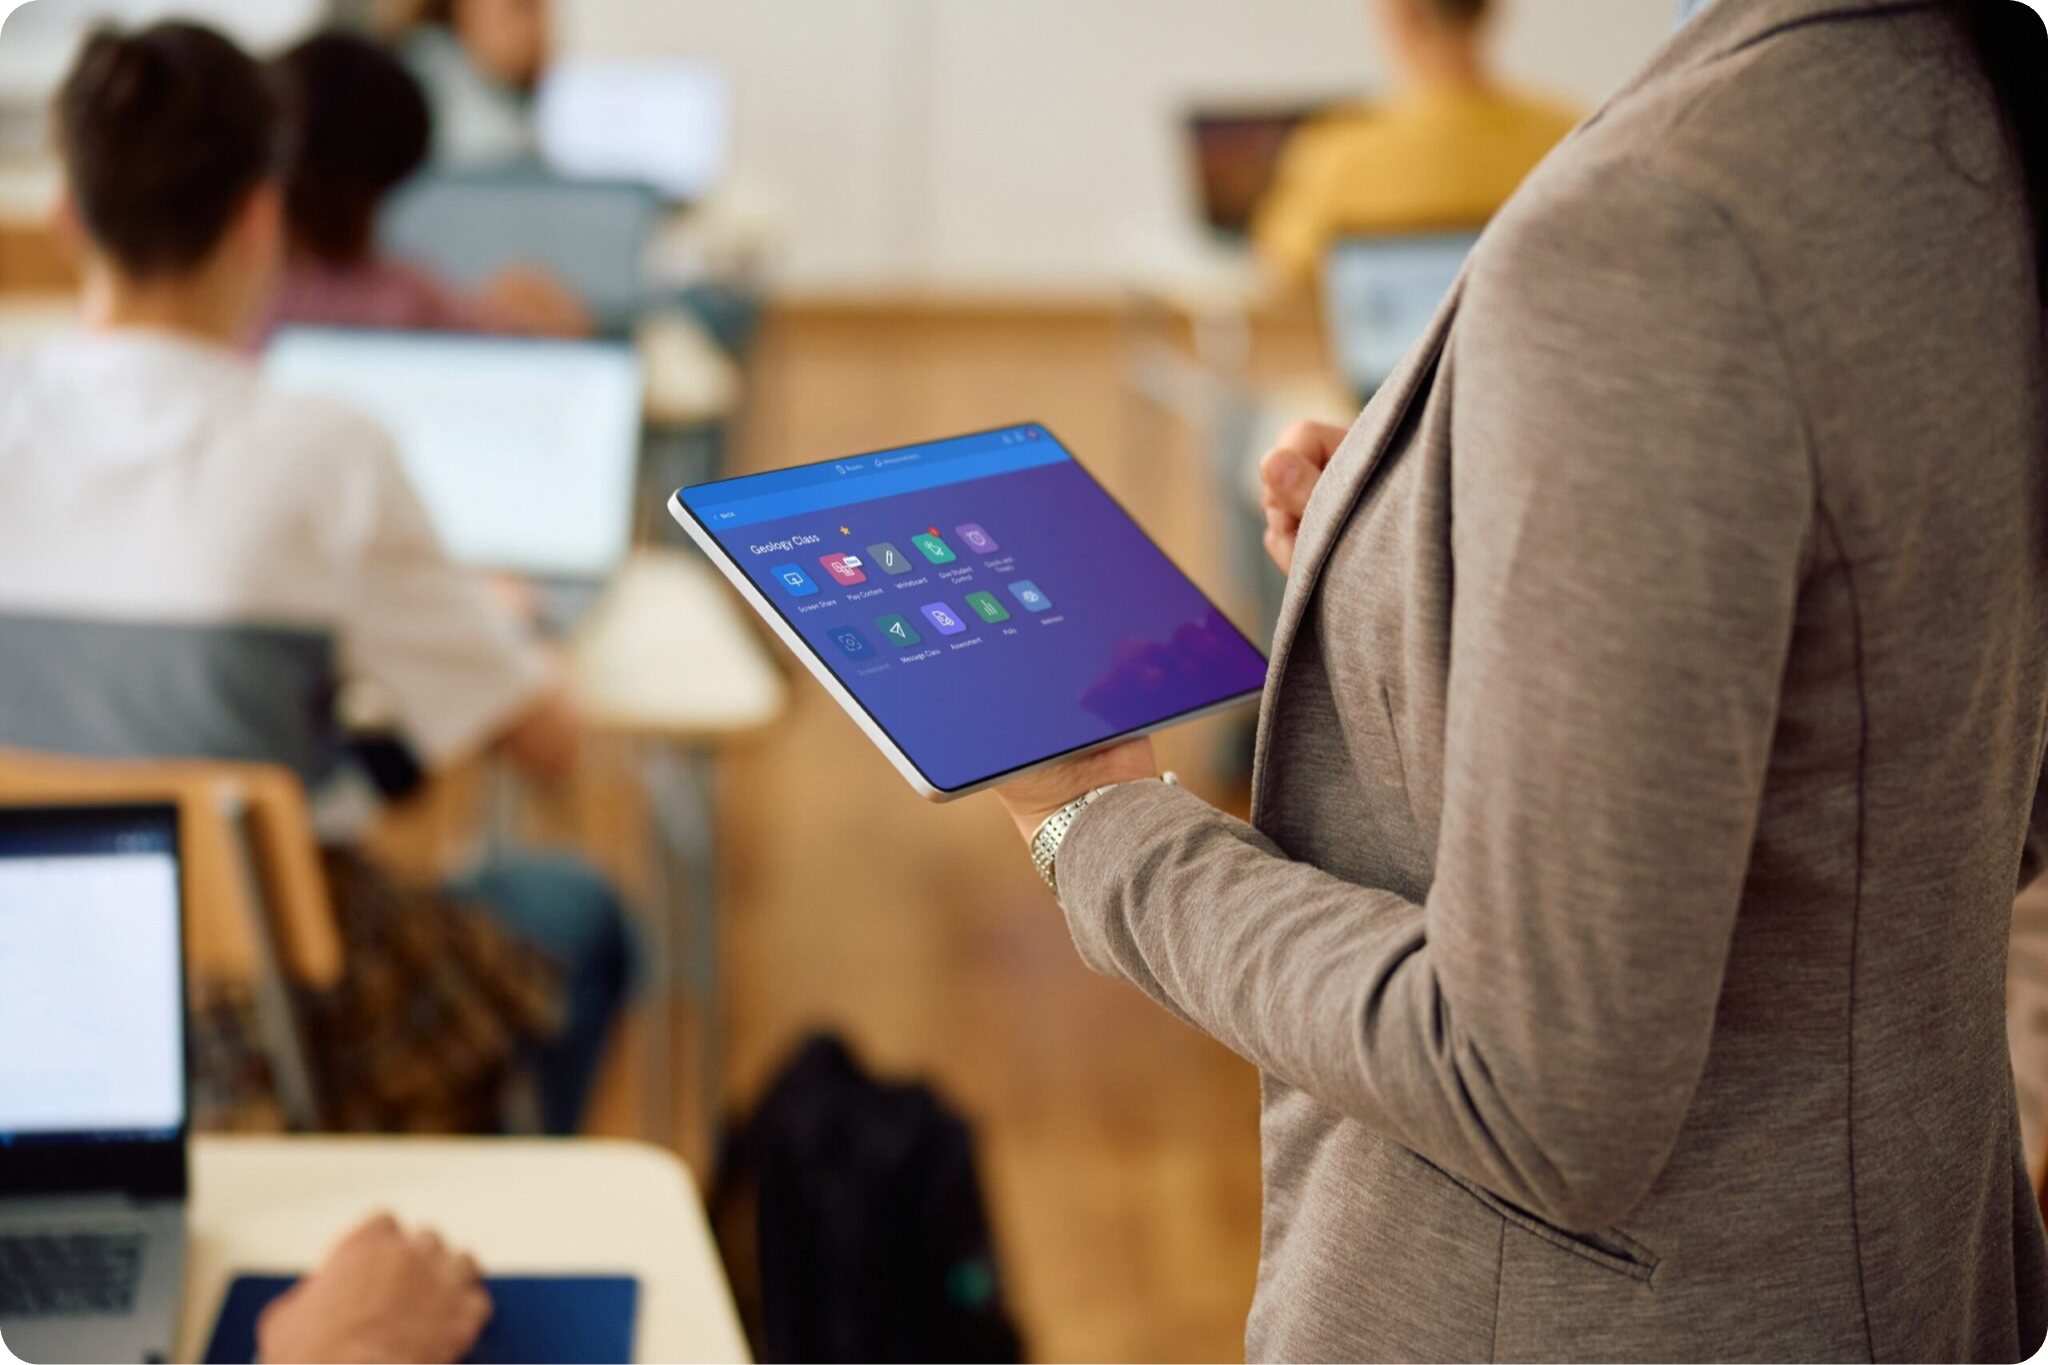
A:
[356, 126]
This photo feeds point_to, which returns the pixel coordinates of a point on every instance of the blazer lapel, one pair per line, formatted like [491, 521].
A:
[1350, 471]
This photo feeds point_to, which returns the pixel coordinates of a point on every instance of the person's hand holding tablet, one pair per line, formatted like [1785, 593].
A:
[1033, 798]
[1288, 475]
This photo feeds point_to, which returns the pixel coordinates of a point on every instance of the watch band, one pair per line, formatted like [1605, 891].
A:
[1052, 831]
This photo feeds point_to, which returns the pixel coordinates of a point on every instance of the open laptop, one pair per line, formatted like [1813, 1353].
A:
[1379, 293]
[592, 235]
[93, 1106]
[658, 121]
[523, 451]
[1236, 153]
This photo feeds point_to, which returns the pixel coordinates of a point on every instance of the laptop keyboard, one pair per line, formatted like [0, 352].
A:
[68, 1274]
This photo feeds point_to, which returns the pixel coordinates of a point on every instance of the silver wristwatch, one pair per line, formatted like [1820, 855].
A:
[1052, 831]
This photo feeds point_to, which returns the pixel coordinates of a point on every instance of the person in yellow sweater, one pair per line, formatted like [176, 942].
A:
[1444, 151]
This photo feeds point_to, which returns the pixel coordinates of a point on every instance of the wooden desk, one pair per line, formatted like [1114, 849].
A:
[581, 1206]
[670, 663]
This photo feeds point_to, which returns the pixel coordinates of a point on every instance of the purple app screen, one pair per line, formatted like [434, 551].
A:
[1112, 637]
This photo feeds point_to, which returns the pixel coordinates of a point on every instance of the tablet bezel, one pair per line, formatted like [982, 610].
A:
[854, 707]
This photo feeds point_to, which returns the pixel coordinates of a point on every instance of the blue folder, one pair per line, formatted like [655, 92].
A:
[535, 1320]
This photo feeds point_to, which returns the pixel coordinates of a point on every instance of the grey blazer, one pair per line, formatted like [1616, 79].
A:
[1646, 767]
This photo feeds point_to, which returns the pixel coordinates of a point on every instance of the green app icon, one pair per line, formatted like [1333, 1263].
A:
[986, 607]
[936, 550]
[897, 631]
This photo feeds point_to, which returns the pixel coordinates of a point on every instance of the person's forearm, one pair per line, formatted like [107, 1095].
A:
[1333, 988]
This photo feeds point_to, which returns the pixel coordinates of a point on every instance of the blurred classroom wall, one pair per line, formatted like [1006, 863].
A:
[1021, 146]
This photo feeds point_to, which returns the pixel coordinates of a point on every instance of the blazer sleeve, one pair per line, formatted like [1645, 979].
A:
[1632, 495]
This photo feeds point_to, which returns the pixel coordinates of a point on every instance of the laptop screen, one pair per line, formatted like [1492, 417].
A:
[661, 122]
[92, 1017]
[1236, 154]
[523, 451]
[1379, 294]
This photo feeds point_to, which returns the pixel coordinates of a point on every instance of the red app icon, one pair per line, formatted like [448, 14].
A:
[845, 569]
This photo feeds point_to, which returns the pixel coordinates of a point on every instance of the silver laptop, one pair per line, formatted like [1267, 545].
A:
[92, 1082]
[592, 235]
[523, 451]
[1379, 294]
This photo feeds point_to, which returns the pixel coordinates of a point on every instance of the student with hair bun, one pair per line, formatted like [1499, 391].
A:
[355, 126]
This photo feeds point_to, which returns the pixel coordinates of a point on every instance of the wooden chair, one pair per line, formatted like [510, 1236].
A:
[256, 904]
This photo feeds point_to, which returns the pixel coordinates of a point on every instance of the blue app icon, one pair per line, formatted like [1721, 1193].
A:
[1027, 594]
[851, 642]
[794, 580]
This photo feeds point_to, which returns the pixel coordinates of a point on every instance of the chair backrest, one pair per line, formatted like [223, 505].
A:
[251, 863]
[1380, 292]
[591, 234]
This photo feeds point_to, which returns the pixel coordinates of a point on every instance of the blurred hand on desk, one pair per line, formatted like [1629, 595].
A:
[382, 1294]
[529, 300]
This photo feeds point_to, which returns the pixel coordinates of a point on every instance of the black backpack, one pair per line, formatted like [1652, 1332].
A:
[852, 1222]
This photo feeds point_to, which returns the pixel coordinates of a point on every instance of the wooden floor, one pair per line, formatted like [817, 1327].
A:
[1119, 1148]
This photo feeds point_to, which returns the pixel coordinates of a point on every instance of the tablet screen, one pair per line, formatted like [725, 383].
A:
[982, 598]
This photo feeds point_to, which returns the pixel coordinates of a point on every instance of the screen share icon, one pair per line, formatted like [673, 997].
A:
[794, 580]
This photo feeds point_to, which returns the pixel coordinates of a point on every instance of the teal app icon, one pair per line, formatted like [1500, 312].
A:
[897, 630]
[935, 549]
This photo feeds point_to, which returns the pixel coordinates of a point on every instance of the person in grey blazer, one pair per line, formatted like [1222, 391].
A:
[1651, 743]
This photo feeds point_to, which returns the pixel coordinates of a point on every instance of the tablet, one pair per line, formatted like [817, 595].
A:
[980, 606]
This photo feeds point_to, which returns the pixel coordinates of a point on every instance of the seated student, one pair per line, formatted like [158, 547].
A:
[192, 564]
[1444, 152]
[356, 126]
[480, 61]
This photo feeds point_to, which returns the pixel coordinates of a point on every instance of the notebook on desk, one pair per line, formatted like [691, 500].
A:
[534, 1319]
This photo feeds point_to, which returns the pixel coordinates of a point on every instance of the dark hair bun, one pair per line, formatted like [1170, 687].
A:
[356, 124]
[124, 79]
[164, 132]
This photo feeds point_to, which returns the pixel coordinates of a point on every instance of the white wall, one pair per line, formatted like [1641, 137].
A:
[42, 35]
[1030, 144]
